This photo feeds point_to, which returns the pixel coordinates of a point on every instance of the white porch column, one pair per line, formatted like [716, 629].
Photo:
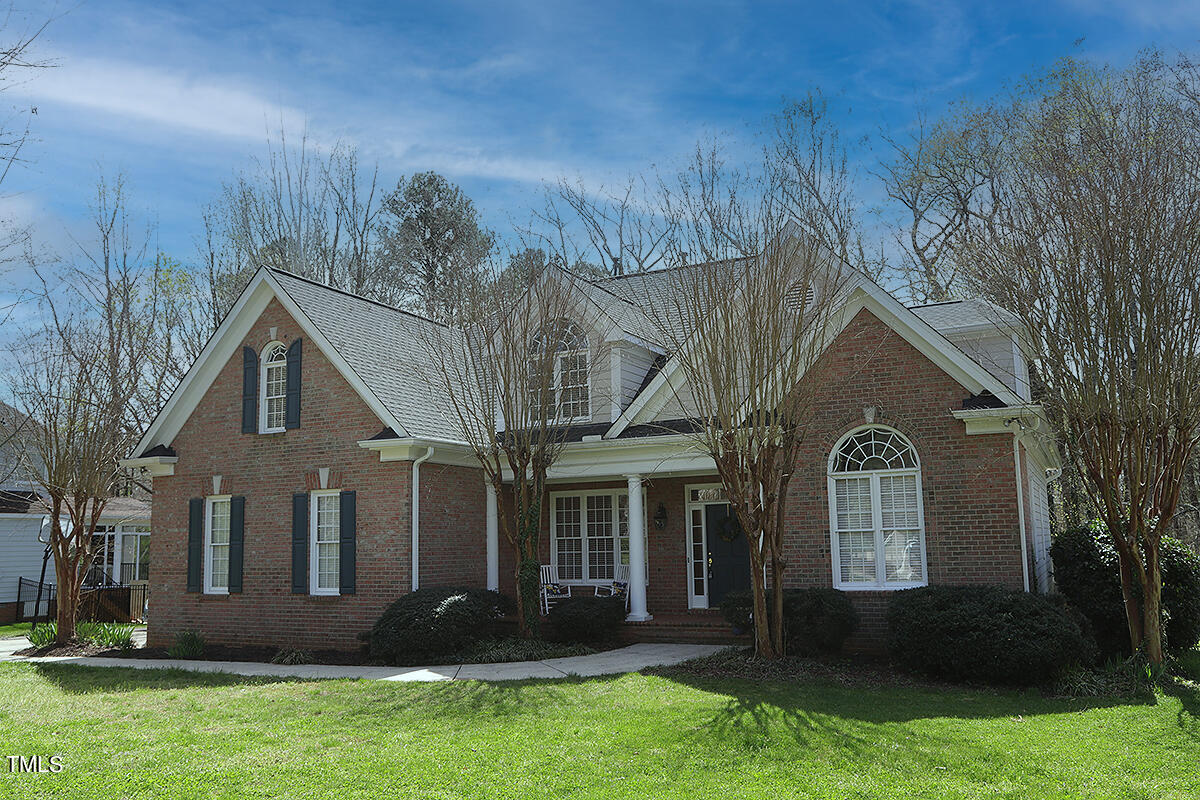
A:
[493, 540]
[637, 552]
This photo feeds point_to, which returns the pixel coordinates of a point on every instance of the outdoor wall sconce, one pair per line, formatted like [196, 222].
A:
[660, 517]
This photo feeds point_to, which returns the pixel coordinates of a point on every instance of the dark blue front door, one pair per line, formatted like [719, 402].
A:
[728, 554]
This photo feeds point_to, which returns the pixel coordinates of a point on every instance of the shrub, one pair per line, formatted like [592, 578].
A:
[1114, 678]
[587, 619]
[431, 623]
[101, 634]
[188, 644]
[1087, 572]
[816, 620]
[106, 634]
[985, 633]
[43, 634]
[498, 651]
[291, 655]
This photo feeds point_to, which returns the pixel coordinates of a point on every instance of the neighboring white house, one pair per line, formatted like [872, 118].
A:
[122, 537]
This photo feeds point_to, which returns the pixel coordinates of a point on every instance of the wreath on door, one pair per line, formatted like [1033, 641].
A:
[728, 529]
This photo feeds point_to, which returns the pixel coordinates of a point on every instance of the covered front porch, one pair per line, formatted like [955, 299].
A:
[656, 507]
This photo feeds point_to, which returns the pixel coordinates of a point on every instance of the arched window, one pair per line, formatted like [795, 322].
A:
[272, 393]
[568, 398]
[877, 525]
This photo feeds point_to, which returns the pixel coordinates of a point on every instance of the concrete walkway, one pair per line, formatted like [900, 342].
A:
[626, 659]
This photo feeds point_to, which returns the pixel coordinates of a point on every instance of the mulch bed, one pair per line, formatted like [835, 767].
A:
[74, 648]
[741, 664]
[217, 652]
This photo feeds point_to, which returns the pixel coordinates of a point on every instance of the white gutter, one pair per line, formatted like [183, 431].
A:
[416, 517]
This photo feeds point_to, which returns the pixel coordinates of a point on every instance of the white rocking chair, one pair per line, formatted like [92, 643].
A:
[619, 586]
[551, 590]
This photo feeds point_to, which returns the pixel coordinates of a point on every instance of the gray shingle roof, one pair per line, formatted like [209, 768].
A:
[961, 314]
[387, 348]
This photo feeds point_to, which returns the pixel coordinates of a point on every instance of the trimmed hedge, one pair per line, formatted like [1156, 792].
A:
[1087, 572]
[816, 620]
[586, 619]
[431, 623]
[985, 633]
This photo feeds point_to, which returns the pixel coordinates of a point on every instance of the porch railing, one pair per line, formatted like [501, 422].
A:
[100, 601]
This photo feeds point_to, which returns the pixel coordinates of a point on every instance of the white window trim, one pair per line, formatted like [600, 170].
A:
[616, 494]
[880, 584]
[313, 575]
[208, 507]
[559, 388]
[262, 389]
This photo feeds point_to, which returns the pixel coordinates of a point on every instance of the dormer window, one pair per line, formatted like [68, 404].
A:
[273, 392]
[569, 398]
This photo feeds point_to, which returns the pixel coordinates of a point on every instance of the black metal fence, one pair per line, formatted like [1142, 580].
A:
[101, 603]
[36, 601]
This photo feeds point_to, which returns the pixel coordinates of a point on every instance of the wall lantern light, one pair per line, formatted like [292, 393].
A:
[660, 517]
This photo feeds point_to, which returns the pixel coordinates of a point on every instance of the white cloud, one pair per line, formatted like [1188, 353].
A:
[168, 98]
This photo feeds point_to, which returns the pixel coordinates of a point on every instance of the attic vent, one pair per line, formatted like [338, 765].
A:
[799, 297]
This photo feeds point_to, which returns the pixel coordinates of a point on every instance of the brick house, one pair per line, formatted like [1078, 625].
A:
[306, 474]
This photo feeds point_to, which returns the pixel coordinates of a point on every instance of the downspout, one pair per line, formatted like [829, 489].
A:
[1021, 507]
[416, 518]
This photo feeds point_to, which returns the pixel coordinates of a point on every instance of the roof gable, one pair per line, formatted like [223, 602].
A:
[863, 293]
[353, 333]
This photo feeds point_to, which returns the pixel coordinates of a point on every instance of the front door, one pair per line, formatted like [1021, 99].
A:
[728, 554]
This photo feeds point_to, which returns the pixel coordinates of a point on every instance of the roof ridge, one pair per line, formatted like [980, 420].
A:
[365, 299]
[942, 302]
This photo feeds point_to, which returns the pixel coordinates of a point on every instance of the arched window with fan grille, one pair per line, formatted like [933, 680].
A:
[877, 521]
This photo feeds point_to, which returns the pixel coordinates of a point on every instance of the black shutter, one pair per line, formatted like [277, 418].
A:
[300, 543]
[237, 537]
[195, 545]
[291, 403]
[249, 390]
[346, 539]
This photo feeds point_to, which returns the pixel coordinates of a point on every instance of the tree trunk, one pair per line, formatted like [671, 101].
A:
[762, 629]
[1133, 606]
[528, 573]
[778, 623]
[1152, 608]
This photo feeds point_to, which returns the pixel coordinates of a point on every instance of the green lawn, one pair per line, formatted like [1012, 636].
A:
[125, 733]
[16, 629]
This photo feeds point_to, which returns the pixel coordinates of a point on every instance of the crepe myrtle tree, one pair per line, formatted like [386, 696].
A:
[511, 379]
[1095, 246]
[767, 298]
[71, 452]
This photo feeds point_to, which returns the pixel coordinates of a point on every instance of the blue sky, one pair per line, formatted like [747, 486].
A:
[498, 96]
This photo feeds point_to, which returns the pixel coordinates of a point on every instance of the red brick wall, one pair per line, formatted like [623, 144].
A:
[968, 482]
[453, 533]
[267, 470]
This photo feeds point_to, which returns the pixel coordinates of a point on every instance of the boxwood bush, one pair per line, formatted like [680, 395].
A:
[1087, 572]
[985, 633]
[432, 623]
[586, 619]
[817, 620]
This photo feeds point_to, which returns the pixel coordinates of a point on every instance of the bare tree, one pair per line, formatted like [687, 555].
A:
[1095, 246]
[17, 62]
[434, 238]
[130, 296]
[310, 212]
[943, 175]
[502, 377]
[71, 453]
[767, 298]
[623, 227]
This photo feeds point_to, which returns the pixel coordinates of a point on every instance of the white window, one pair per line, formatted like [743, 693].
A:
[273, 388]
[569, 397]
[135, 553]
[589, 534]
[216, 545]
[325, 523]
[877, 528]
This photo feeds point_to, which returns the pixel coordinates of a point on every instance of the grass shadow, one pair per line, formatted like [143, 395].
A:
[79, 680]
